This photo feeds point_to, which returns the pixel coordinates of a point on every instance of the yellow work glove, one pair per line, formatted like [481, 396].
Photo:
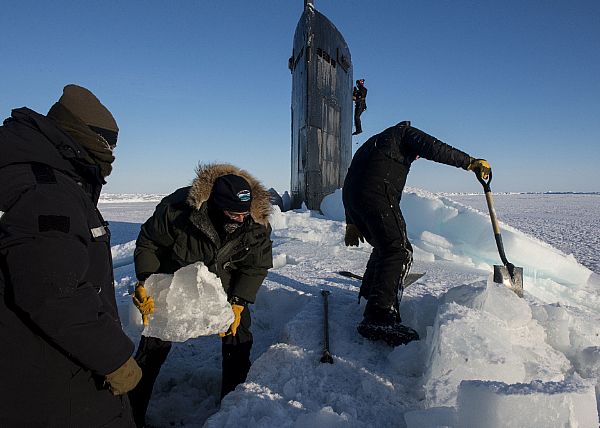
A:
[481, 167]
[352, 236]
[125, 378]
[143, 302]
[237, 313]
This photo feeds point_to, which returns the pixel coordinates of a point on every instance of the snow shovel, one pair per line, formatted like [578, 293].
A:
[508, 273]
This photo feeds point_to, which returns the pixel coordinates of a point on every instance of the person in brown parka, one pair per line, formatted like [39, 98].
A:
[222, 220]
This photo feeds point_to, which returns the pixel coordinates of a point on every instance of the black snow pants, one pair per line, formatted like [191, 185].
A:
[152, 353]
[376, 213]
[359, 108]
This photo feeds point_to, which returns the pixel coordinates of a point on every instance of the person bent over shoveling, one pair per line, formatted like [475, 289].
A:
[371, 195]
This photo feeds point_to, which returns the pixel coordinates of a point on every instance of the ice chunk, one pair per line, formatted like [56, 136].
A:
[532, 405]
[188, 304]
[434, 417]
[484, 331]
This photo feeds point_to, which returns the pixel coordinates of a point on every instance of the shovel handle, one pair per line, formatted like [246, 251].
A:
[484, 183]
[490, 203]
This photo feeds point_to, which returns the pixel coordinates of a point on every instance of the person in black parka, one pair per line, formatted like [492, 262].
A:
[371, 196]
[222, 221]
[359, 95]
[64, 358]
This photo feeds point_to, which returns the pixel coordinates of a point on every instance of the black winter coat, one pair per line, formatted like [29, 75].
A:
[380, 166]
[359, 94]
[180, 232]
[59, 328]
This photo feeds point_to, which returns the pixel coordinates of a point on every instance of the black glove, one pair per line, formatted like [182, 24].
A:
[352, 236]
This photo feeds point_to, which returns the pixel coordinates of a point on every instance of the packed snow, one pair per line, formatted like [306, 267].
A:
[486, 357]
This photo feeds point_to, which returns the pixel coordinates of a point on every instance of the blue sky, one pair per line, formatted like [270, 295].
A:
[515, 82]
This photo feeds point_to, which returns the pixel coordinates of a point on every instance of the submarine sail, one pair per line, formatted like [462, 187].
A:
[321, 106]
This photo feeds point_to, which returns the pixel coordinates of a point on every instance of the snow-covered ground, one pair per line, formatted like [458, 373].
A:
[486, 358]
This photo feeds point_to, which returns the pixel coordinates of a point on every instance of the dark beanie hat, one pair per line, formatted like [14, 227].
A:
[232, 193]
[83, 104]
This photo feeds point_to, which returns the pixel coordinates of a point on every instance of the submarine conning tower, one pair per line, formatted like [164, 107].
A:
[321, 106]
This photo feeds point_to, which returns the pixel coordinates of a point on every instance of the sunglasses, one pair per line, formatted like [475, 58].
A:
[237, 216]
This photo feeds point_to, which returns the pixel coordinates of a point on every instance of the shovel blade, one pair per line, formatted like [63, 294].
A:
[514, 282]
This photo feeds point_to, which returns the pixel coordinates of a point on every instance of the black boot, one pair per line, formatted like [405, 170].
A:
[384, 324]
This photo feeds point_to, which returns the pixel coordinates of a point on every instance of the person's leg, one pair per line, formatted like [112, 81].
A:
[150, 356]
[236, 365]
[369, 275]
[354, 205]
[394, 256]
[382, 316]
[375, 210]
[357, 123]
[236, 355]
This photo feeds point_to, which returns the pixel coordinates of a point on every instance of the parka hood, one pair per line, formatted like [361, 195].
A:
[202, 185]
[20, 142]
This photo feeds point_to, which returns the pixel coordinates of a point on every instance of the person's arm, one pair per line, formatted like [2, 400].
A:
[428, 147]
[348, 218]
[155, 236]
[44, 243]
[252, 271]
[154, 241]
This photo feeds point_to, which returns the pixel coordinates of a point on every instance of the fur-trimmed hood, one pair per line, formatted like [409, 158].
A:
[201, 188]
